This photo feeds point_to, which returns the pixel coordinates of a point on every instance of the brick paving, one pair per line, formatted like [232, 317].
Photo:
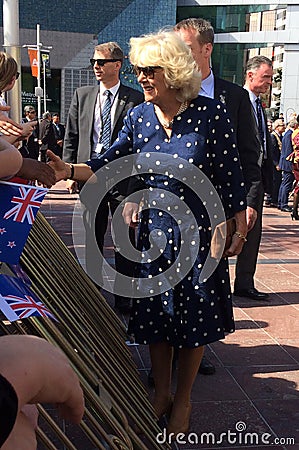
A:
[255, 387]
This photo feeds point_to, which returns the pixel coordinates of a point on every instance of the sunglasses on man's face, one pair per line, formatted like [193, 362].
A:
[17, 75]
[102, 62]
[148, 71]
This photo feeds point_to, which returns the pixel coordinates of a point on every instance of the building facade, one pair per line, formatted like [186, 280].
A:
[72, 28]
[247, 28]
[243, 28]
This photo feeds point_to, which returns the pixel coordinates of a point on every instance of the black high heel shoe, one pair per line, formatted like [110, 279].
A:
[294, 215]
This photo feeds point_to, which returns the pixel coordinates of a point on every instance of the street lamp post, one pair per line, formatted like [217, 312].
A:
[39, 91]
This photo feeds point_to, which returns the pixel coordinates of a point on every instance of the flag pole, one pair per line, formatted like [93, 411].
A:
[44, 80]
[38, 91]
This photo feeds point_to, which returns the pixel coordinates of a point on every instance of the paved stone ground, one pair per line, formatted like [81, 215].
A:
[255, 388]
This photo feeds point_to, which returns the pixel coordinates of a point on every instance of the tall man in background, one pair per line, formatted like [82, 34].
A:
[47, 138]
[30, 146]
[258, 79]
[95, 117]
[199, 36]
[276, 140]
[59, 132]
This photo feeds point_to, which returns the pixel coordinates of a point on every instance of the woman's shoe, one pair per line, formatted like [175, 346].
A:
[294, 215]
[179, 425]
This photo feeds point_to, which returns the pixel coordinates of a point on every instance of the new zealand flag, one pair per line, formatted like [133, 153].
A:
[18, 302]
[19, 205]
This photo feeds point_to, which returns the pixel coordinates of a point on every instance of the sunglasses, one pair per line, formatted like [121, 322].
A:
[148, 71]
[102, 62]
[17, 75]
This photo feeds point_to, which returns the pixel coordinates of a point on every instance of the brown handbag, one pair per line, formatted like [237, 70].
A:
[224, 231]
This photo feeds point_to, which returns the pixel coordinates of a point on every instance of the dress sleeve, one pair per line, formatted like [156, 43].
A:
[8, 409]
[227, 172]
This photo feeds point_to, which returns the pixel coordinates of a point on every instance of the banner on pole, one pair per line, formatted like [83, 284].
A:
[32, 53]
[45, 57]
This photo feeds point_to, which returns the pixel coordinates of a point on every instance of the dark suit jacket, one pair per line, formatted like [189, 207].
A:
[239, 108]
[60, 132]
[46, 135]
[267, 165]
[276, 147]
[286, 150]
[79, 128]
[30, 146]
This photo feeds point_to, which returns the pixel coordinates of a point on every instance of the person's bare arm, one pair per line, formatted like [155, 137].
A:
[9, 127]
[32, 169]
[26, 130]
[10, 159]
[40, 373]
[63, 170]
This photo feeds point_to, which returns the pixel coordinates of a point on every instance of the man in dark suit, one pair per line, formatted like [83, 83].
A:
[30, 146]
[47, 139]
[286, 167]
[199, 36]
[90, 130]
[276, 139]
[258, 79]
[59, 131]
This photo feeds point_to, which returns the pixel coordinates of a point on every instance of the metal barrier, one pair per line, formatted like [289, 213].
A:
[118, 414]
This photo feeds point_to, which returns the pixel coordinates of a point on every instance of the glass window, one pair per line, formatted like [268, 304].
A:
[236, 18]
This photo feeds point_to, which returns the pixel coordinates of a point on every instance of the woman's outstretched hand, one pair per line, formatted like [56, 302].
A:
[65, 171]
[60, 167]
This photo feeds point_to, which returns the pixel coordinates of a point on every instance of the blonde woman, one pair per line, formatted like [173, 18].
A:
[175, 123]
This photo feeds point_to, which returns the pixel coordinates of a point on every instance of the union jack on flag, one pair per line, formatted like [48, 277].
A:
[29, 198]
[18, 302]
[19, 205]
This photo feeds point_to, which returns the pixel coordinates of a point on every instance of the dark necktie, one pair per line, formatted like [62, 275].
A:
[106, 121]
[259, 114]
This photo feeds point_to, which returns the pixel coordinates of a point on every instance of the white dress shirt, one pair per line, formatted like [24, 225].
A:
[207, 86]
[97, 127]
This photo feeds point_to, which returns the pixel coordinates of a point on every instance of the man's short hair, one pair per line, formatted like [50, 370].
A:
[256, 62]
[113, 48]
[46, 115]
[29, 108]
[203, 28]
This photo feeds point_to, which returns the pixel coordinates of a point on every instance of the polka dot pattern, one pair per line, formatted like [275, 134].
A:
[191, 313]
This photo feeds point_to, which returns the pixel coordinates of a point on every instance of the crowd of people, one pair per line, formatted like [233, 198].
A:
[31, 369]
[187, 123]
[285, 176]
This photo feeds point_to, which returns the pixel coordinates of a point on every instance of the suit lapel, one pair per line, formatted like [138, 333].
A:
[121, 102]
[220, 93]
[91, 110]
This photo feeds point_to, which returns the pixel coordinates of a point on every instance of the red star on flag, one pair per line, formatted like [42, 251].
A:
[11, 244]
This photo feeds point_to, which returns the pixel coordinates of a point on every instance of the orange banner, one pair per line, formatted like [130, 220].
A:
[33, 61]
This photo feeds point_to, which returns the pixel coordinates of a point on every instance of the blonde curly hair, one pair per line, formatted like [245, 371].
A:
[167, 50]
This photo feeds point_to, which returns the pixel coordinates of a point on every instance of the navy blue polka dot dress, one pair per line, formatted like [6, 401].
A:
[178, 304]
